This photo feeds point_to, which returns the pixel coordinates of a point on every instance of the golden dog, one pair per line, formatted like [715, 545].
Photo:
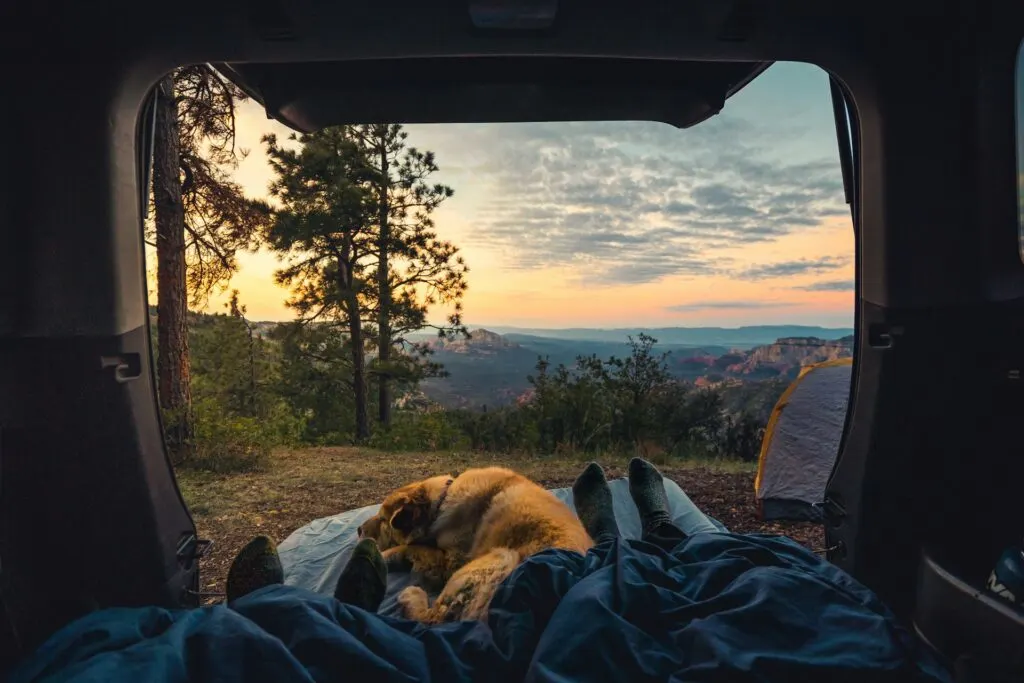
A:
[468, 533]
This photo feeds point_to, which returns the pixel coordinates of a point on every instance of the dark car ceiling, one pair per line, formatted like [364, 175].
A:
[494, 74]
[492, 88]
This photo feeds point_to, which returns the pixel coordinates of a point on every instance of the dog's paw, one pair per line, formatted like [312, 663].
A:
[414, 603]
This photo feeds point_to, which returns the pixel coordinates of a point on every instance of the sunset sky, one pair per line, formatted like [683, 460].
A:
[737, 221]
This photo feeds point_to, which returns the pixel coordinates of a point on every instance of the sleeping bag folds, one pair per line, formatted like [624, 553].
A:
[717, 607]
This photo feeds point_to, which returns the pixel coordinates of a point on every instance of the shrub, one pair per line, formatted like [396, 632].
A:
[224, 442]
[506, 430]
[419, 431]
[741, 437]
[280, 426]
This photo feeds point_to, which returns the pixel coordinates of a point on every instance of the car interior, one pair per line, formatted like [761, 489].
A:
[925, 494]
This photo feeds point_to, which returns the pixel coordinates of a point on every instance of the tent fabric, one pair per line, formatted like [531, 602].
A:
[314, 555]
[717, 607]
[801, 442]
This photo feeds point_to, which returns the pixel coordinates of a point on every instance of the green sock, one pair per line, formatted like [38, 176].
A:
[256, 566]
[364, 580]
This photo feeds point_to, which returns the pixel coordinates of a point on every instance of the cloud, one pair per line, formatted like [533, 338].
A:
[632, 202]
[790, 268]
[719, 305]
[829, 286]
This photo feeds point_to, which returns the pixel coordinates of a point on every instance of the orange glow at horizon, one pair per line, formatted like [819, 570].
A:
[553, 297]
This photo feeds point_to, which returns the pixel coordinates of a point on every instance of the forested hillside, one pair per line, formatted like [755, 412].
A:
[256, 386]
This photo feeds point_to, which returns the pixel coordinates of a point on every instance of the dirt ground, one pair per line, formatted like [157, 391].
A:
[302, 485]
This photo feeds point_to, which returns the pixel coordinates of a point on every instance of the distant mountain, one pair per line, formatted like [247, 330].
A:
[735, 337]
[491, 369]
[782, 359]
[566, 350]
[484, 370]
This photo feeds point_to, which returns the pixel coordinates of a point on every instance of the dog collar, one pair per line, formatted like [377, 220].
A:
[444, 494]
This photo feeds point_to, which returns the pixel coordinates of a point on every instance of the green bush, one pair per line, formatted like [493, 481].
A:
[416, 431]
[223, 442]
[281, 426]
[506, 430]
[741, 437]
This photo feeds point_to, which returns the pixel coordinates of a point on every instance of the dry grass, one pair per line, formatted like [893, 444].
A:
[298, 486]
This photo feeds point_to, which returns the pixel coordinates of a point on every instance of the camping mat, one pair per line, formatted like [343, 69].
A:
[314, 555]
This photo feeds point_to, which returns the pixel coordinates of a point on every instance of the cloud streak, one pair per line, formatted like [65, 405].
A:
[791, 268]
[828, 286]
[727, 305]
[631, 202]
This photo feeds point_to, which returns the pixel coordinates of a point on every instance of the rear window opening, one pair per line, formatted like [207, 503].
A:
[556, 292]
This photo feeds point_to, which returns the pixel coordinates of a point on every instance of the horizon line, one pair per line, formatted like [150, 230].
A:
[618, 327]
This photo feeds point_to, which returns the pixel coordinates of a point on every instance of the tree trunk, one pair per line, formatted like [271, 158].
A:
[172, 367]
[384, 297]
[252, 370]
[355, 333]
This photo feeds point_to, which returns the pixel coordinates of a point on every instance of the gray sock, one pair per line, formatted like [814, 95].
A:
[647, 489]
[364, 580]
[256, 566]
[593, 500]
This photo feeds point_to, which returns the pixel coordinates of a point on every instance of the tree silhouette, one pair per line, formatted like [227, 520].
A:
[201, 220]
[323, 231]
[415, 269]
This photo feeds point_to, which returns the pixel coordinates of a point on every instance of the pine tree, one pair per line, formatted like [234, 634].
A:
[200, 222]
[238, 313]
[172, 363]
[415, 270]
[323, 231]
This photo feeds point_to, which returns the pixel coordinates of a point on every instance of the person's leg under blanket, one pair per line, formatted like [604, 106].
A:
[281, 633]
[348, 632]
[278, 634]
[344, 635]
[714, 606]
[271, 632]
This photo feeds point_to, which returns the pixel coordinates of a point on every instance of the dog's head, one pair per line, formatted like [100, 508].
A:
[405, 515]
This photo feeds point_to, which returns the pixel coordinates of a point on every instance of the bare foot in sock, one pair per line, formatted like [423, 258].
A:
[256, 566]
[593, 500]
[364, 580]
[647, 488]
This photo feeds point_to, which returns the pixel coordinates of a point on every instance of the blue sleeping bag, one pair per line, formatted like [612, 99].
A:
[719, 607]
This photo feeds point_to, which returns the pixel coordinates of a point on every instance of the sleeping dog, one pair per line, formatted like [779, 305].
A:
[467, 533]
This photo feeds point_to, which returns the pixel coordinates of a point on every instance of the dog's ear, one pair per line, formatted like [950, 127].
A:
[411, 513]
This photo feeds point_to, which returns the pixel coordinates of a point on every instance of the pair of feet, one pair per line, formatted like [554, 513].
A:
[363, 582]
[593, 499]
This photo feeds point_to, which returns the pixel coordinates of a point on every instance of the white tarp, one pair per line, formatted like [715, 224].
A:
[314, 555]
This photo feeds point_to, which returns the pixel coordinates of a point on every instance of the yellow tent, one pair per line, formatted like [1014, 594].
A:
[801, 442]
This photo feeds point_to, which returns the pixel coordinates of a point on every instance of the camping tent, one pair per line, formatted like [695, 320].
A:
[801, 442]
